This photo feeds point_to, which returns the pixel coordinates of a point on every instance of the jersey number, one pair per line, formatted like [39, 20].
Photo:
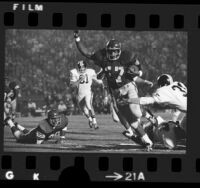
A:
[85, 80]
[119, 69]
[181, 88]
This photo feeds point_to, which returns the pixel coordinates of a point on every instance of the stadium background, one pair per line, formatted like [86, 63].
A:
[40, 61]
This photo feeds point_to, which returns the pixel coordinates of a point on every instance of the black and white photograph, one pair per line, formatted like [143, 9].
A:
[95, 91]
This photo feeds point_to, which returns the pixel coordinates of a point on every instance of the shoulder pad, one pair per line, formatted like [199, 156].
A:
[74, 71]
[43, 124]
[92, 71]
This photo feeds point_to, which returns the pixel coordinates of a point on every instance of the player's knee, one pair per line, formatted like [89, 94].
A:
[18, 135]
[115, 117]
[135, 124]
[138, 114]
[135, 110]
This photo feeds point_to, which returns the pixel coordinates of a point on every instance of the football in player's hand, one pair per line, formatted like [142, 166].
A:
[133, 70]
[82, 77]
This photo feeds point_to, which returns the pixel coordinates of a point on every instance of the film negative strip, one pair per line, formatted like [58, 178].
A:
[98, 92]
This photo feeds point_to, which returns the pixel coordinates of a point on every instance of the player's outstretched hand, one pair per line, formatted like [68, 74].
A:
[76, 34]
[149, 83]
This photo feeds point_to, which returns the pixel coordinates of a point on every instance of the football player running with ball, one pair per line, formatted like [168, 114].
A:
[50, 130]
[82, 78]
[114, 63]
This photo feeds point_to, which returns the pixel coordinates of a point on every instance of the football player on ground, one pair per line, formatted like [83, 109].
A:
[83, 78]
[53, 128]
[170, 95]
[114, 62]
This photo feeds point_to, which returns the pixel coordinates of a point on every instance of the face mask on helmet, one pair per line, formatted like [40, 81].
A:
[164, 80]
[54, 121]
[113, 50]
[81, 66]
[54, 118]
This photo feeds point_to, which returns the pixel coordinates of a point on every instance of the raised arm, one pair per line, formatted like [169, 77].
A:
[82, 49]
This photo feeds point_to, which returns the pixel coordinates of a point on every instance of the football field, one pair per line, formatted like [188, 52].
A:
[82, 139]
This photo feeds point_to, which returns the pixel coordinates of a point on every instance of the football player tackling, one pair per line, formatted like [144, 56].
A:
[114, 64]
[82, 78]
[170, 95]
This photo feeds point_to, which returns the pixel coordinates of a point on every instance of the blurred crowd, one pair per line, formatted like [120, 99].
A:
[65, 103]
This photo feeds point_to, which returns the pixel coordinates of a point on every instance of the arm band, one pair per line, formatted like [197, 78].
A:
[146, 100]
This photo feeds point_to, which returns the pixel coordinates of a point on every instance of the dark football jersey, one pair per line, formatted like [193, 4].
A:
[115, 68]
[44, 130]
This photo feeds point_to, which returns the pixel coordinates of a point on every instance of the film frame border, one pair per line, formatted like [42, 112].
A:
[182, 20]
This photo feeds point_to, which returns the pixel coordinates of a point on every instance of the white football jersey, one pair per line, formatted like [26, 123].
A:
[174, 96]
[84, 85]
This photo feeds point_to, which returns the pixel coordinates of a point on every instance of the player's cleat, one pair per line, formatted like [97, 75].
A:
[149, 147]
[137, 140]
[95, 126]
[90, 124]
[147, 142]
[127, 134]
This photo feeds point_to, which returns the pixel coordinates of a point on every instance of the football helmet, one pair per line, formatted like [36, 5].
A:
[131, 72]
[113, 49]
[13, 85]
[164, 80]
[54, 117]
[166, 134]
[81, 66]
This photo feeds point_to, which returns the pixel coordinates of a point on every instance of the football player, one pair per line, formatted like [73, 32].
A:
[133, 112]
[83, 78]
[52, 128]
[170, 95]
[113, 62]
[169, 133]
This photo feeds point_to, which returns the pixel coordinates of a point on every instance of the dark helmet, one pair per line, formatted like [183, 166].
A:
[54, 117]
[13, 85]
[132, 71]
[82, 66]
[113, 49]
[164, 80]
